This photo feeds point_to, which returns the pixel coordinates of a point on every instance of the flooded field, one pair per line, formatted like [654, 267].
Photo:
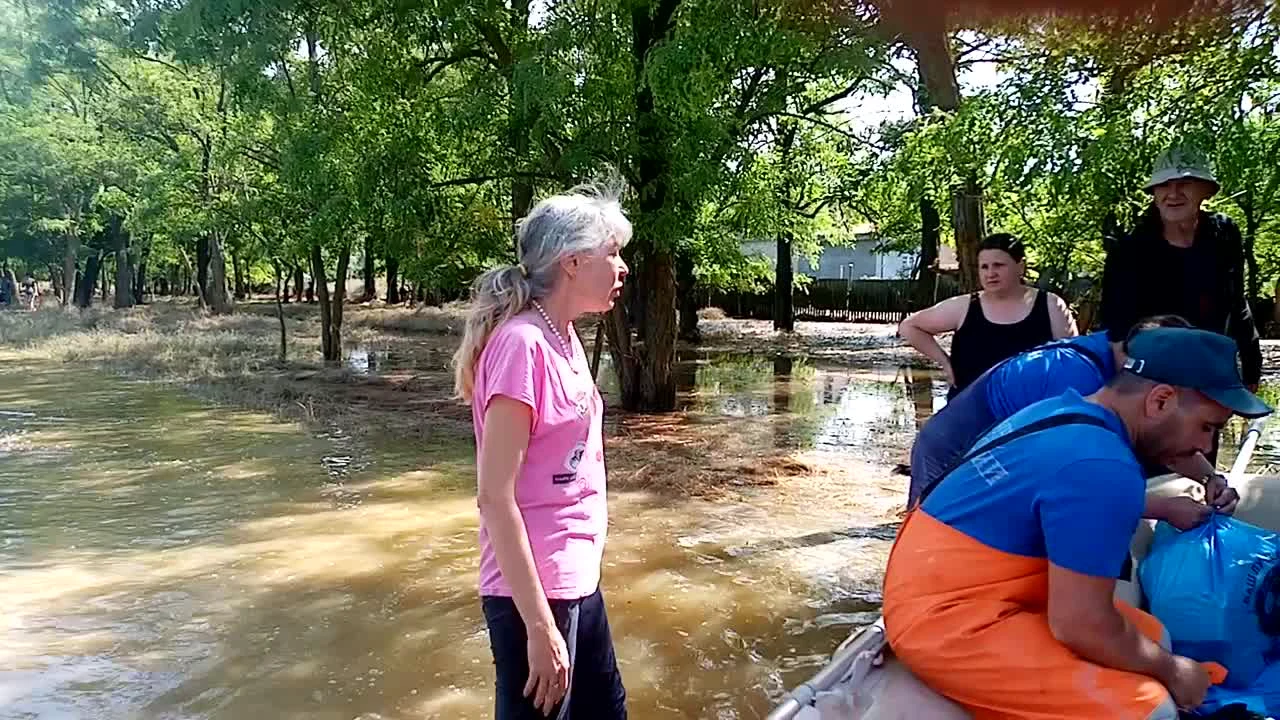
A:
[164, 559]
[161, 557]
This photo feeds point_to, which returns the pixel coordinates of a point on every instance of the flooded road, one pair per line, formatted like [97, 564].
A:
[160, 558]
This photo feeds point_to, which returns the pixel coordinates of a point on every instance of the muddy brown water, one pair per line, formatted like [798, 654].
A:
[160, 558]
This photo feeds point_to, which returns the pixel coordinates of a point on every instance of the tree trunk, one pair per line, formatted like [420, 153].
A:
[60, 286]
[69, 254]
[1251, 258]
[103, 285]
[686, 290]
[140, 277]
[320, 280]
[927, 277]
[219, 302]
[370, 272]
[124, 268]
[970, 223]
[89, 280]
[202, 268]
[642, 336]
[597, 349]
[237, 268]
[783, 288]
[393, 280]
[298, 280]
[339, 297]
[281, 285]
[643, 326]
[937, 70]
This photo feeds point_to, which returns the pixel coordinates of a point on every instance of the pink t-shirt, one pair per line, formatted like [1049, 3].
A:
[561, 487]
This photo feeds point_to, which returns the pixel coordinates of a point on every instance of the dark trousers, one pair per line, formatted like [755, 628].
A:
[595, 685]
[944, 438]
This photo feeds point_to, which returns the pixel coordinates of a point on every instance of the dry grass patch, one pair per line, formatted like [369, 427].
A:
[677, 455]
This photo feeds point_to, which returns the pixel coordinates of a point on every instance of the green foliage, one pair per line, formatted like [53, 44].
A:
[281, 126]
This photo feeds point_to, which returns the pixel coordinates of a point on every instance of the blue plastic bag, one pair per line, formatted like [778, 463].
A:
[1215, 590]
[1262, 697]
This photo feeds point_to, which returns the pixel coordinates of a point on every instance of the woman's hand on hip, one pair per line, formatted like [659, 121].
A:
[548, 668]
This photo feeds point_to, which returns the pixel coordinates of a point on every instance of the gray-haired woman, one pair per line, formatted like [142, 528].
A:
[540, 460]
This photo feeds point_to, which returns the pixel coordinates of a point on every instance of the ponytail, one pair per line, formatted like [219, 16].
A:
[496, 296]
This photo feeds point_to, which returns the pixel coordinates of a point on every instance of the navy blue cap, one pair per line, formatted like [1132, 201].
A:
[1195, 359]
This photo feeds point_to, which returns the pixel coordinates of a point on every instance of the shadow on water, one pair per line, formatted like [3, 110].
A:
[164, 559]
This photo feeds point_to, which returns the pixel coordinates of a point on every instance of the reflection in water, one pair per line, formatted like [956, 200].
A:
[162, 559]
[365, 359]
[857, 411]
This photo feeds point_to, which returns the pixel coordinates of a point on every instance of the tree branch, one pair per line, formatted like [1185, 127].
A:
[263, 161]
[158, 61]
[505, 58]
[479, 179]
[444, 63]
[831, 99]
[288, 77]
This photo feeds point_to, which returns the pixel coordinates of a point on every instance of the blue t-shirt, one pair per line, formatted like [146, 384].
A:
[1072, 494]
[1048, 371]
[1020, 381]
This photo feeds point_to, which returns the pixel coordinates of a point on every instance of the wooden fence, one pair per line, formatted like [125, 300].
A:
[874, 301]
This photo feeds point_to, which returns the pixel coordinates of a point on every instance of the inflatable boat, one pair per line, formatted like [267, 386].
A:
[863, 681]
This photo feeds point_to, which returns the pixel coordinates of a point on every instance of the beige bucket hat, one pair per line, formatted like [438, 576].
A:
[1179, 163]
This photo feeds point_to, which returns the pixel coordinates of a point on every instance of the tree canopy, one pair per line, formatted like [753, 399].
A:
[212, 146]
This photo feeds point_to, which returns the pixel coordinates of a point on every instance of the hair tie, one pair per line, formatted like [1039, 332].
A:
[523, 270]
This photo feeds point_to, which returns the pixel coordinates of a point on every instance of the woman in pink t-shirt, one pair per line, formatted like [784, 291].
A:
[540, 460]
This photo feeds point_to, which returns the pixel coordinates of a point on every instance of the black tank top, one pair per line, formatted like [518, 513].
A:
[980, 344]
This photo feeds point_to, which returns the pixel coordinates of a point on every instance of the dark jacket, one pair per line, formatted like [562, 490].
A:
[1204, 283]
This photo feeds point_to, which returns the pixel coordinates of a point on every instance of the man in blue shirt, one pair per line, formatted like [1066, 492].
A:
[999, 589]
[1083, 364]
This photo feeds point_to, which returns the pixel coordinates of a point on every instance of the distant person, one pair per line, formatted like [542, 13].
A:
[1182, 260]
[999, 591]
[30, 292]
[540, 460]
[1083, 364]
[1003, 319]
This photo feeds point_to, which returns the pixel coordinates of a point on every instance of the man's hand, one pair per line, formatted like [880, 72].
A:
[1187, 681]
[1181, 512]
[1218, 494]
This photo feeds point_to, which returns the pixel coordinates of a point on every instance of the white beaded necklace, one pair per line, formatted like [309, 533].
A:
[565, 346]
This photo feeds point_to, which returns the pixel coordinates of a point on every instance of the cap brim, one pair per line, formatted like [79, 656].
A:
[1240, 401]
[1170, 177]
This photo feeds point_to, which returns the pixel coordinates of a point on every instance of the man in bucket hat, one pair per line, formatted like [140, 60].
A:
[999, 589]
[1181, 260]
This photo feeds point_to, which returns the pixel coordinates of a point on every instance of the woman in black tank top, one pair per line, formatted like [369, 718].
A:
[1003, 319]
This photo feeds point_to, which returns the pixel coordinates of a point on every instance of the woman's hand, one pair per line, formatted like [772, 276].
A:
[920, 329]
[548, 668]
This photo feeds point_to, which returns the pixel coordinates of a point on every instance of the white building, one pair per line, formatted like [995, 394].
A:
[859, 261]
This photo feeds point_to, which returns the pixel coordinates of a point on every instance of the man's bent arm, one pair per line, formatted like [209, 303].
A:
[1083, 616]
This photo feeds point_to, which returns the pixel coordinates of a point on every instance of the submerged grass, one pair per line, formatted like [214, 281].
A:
[234, 361]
